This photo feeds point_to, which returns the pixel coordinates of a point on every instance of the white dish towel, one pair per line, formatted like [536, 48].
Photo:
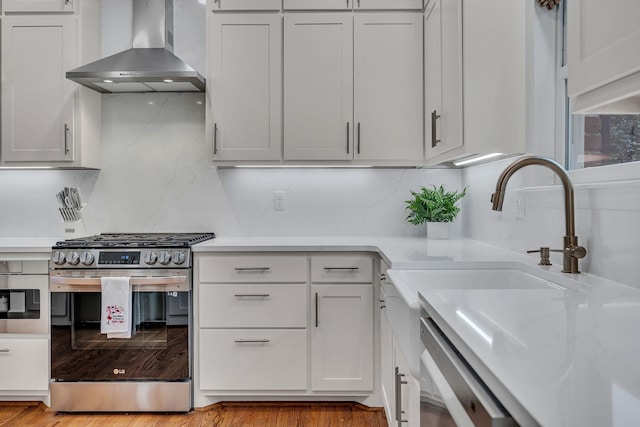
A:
[115, 320]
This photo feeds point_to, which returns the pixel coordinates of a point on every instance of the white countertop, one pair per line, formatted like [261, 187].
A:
[398, 252]
[26, 245]
[569, 356]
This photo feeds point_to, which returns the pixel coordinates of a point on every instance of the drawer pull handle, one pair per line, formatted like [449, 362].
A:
[316, 309]
[251, 295]
[253, 268]
[5, 350]
[341, 268]
[261, 341]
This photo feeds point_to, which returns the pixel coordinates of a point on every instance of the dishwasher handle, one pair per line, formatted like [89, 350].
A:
[481, 407]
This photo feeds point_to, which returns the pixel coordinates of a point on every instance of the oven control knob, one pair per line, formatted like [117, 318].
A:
[73, 258]
[86, 258]
[164, 257]
[58, 257]
[179, 258]
[150, 258]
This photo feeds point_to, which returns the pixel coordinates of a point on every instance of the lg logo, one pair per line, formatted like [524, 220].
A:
[117, 371]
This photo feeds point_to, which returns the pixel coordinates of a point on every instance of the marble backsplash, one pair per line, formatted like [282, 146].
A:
[156, 176]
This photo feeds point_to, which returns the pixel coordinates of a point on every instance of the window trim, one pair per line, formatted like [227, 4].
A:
[566, 130]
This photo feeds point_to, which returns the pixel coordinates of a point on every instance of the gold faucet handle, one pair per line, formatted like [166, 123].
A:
[575, 252]
[544, 255]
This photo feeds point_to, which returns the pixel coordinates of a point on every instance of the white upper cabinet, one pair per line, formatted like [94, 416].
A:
[388, 112]
[37, 100]
[603, 55]
[318, 86]
[475, 85]
[388, 4]
[443, 77]
[318, 4]
[223, 5]
[38, 5]
[245, 86]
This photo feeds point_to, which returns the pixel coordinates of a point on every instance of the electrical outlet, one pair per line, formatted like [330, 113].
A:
[520, 204]
[278, 200]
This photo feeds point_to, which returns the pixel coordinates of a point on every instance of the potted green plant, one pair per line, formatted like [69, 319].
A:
[436, 207]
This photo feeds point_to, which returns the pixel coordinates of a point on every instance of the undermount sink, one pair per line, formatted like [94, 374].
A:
[403, 306]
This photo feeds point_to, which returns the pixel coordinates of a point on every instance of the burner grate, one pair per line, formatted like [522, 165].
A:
[136, 240]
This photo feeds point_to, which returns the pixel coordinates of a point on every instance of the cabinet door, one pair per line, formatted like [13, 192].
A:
[37, 99]
[246, 87]
[318, 4]
[388, 81]
[387, 365]
[24, 364]
[216, 5]
[388, 4]
[443, 77]
[318, 90]
[602, 42]
[342, 338]
[38, 5]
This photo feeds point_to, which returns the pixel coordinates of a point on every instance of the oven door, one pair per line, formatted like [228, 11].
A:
[158, 349]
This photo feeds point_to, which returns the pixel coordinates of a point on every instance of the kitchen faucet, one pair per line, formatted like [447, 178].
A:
[571, 250]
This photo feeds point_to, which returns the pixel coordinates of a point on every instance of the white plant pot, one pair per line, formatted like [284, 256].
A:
[438, 230]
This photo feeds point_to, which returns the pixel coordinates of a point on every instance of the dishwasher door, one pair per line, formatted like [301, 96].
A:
[467, 400]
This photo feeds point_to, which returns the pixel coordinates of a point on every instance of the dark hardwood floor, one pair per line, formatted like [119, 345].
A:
[226, 414]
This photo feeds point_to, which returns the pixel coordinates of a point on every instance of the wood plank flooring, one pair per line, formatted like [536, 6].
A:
[225, 414]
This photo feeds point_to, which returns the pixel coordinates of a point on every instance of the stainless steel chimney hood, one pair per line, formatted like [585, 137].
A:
[149, 66]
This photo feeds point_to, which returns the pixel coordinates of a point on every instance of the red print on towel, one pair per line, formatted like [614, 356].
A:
[115, 315]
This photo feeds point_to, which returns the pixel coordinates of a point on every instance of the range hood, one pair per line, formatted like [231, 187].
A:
[150, 65]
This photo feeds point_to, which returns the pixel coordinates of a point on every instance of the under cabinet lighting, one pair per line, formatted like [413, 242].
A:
[24, 167]
[476, 159]
[299, 166]
[168, 81]
[107, 81]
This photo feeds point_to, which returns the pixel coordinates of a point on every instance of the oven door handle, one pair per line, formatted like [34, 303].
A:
[93, 284]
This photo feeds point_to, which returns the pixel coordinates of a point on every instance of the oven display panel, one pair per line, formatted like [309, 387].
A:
[119, 258]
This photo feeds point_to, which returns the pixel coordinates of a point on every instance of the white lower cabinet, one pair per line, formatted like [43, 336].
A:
[257, 335]
[24, 364]
[407, 392]
[253, 359]
[342, 338]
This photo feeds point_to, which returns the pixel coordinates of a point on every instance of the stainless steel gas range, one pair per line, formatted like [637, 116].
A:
[149, 369]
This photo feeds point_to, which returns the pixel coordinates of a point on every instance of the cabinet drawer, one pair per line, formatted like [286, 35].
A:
[24, 364]
[252, 269]
[342, 268]
[275, 360]
[216, 5]
[247, 306]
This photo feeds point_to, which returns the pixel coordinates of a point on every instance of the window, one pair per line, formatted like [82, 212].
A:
[593, 140]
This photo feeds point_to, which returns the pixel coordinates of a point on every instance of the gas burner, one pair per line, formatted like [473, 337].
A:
[136, 240]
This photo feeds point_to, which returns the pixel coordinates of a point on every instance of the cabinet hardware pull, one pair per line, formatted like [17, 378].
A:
[66, 2]
[316, 309]
[382, 277]
[253, 268]
[347, 3]
[215, 139]
[251, 295]
[358, 3]
[347, 124]
[434, 116]
[66, 139]
[243, 341]
[341, 268]
[358, 137]
[399, 410]
[4, 350]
